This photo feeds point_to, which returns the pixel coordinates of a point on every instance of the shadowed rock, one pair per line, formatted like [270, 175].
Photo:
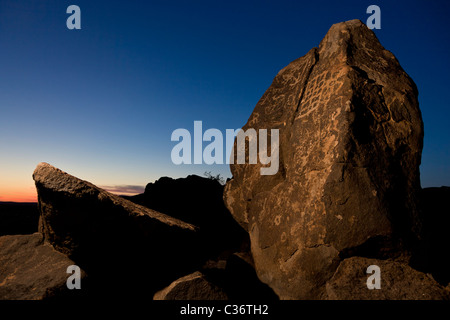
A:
[237, 277]
[191, 287]
[436, 220]
[351, 137]
[124, 247]
[30, 269]
[398, 282]
[198, 201]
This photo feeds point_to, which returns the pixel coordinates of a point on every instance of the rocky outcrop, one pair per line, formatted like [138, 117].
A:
[199, 201]
[350, 146]
[345, 197]
[30, 269]
[121, 245]
[191, 287]
[128, 250]
[398, 282]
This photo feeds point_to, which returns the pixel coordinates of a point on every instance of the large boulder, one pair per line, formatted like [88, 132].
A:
[31, 269]
[124, 247]
[350, 143]
[397, 282]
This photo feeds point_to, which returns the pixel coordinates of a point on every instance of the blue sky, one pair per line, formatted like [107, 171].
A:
[101, 102]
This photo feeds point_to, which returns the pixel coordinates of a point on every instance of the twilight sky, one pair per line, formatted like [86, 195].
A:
[101, 103]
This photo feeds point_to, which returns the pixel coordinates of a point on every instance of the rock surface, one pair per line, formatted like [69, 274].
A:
[398, 282]
[120, 244]
[191, 287]
[351, 137]
[31, 269]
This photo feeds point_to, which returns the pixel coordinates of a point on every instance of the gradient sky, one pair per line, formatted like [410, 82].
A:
[101, 102]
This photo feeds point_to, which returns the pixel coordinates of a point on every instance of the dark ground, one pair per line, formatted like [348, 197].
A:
[18, 218]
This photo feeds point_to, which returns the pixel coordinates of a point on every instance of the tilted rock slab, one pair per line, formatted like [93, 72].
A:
[121, 245]
[397, 282]
[31, 269]
[351, 137]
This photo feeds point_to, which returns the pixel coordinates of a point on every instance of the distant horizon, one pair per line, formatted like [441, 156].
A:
[120, 190]
[101, 103]
[114, 190]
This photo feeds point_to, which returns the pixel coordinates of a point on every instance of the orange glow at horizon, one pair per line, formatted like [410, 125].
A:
[18, 195]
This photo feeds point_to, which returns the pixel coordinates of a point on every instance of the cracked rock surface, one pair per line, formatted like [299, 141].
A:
[351, 136]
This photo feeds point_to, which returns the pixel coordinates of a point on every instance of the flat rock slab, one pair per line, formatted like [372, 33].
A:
[398, 282]
[191, 287]
[30, 269]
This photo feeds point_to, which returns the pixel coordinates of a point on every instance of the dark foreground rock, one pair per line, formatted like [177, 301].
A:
[351, 137]
[191, 287]
[398, 282]
[198, 201]
[30, 269]
[229, 277]
[124, 247]
[236, 275]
